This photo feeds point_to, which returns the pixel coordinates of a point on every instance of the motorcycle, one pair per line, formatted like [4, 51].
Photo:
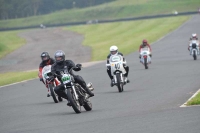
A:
[145, 57]
[194, 49]
[76, 95]
[117, 71]
[46, 71]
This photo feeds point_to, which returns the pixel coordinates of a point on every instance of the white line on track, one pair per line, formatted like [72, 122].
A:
[185, 104]
[17, 83]
[86, 64]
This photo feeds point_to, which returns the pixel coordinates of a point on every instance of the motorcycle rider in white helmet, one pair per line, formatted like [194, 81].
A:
[194, 38]
[114, 51]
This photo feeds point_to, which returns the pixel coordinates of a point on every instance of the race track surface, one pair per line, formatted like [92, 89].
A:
[149, 104]
[39, 40]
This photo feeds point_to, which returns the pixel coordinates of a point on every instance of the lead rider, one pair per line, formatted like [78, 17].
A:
[61, 63]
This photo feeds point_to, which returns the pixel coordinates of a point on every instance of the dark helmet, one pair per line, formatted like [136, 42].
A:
[59, 56]
[45, 56]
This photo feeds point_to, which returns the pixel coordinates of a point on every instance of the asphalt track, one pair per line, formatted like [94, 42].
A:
[28, 58]
[149, 104]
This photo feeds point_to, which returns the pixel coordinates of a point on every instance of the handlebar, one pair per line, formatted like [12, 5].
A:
[110, 65]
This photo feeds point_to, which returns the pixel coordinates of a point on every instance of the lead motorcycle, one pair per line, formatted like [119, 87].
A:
[145, 57]
[117, 71]
[194, 49]
[76, 95]
[50, 83]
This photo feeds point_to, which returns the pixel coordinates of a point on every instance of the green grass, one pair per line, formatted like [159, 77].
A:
[126, 35]
[14, 77]
[10, 41]
[195, 100]
[112, 10]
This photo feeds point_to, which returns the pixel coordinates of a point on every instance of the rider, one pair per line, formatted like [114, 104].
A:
[143, 45]
[61, 63]
[114, 51]
[194, 37]
[46, 60]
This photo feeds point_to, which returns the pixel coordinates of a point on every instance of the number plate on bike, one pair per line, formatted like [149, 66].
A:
[66, 78]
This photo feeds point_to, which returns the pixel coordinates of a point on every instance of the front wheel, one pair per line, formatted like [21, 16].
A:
[119, 83]
[74, 102]
[145, 63]
[51, 86]
[194, 55]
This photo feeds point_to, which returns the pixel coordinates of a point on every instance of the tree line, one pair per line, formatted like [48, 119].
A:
[10, 9]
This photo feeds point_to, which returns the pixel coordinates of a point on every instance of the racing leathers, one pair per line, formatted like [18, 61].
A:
[143, 46]
[194, 43]
[109, 68]
[43, 64]
[68, 64]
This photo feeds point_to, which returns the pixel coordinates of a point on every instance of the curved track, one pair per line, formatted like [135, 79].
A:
[149, 104]
[51, 39]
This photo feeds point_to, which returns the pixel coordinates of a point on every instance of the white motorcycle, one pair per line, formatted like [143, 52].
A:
[117, 71]
[46, 72]
[145, 57]
[194, 49]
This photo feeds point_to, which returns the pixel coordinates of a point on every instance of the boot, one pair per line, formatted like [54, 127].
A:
[88, 91]
[112, 82]
[68, 103]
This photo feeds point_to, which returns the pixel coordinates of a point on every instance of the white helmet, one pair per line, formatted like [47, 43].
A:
[114, 50]
[194, 35]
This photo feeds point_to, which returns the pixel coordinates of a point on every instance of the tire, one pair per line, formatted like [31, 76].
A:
[194, 55]
[71, 97]
[51, 86]
[145, 63]
[88, 106]
[119, 84]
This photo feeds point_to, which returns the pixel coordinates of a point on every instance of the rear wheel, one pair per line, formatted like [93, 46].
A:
[74, 102]
[53, 94]
[119, 83]
[88, 106]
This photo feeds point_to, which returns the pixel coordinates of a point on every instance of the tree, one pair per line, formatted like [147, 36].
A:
[35, 6]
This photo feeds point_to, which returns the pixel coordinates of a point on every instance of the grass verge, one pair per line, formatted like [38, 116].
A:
[195, 100]
[113, 10]
[126, 35]
[10, 41]
[13, 77]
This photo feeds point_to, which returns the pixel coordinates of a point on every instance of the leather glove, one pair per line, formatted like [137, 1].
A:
[41, 79]
[79, 65]
[50, 78]
[108, 67]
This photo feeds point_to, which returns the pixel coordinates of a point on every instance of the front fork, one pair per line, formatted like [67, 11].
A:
[74, 90]
[115, 78]
[191, 51]
[148, 60]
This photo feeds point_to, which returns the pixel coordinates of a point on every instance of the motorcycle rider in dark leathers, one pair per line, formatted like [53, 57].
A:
[61, 63]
